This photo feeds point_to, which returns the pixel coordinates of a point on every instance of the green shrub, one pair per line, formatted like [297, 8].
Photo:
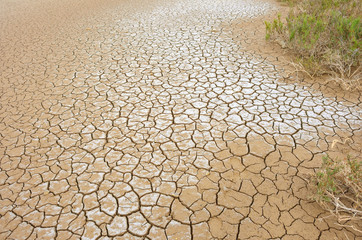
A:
[339, 187]
[276, 26]
[323, 33]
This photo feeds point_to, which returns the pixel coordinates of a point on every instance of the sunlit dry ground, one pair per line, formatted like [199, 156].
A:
[149, 119]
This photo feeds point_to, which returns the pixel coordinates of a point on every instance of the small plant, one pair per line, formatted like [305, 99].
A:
[326, 179]
[276, 26]
[338, 186]
[268, 30]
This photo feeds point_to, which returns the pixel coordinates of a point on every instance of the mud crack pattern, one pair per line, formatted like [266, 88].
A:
[145, 120]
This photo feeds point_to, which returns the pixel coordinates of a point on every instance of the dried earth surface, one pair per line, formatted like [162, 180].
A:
[132, 119]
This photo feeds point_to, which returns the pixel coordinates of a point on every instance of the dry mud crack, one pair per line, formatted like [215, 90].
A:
[126, 119]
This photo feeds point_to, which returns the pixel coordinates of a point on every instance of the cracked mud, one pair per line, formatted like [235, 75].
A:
[148, 120]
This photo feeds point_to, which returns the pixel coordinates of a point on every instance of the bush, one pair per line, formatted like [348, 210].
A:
[326, 36]
[338, 188]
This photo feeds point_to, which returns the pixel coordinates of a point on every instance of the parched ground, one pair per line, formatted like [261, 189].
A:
[159, 119]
